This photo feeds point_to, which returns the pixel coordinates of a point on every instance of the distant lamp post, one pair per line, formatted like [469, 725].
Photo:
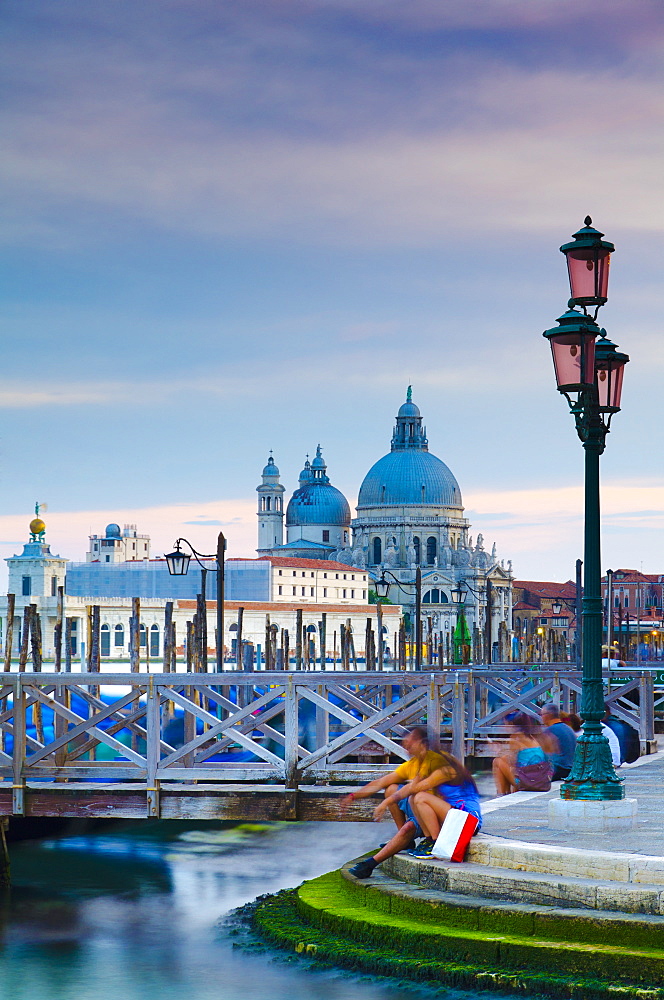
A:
[556, 608]
[382, 588]
[178, 565]
[461, 636]
[589, 373]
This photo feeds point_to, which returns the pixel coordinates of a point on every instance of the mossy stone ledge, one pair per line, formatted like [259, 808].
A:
[392, 928]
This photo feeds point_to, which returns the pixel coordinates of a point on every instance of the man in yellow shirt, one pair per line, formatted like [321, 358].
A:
[422, 763]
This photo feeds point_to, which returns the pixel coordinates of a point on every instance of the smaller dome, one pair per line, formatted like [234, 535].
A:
[319, 461]
[409, 409]
[37, 526]
[270, 469]
[113, 531]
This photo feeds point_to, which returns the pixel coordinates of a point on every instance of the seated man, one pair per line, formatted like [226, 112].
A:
[422, 763]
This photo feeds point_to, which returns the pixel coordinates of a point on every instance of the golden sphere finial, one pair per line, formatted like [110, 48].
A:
[37, 526]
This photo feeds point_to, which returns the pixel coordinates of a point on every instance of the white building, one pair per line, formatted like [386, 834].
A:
[117, 546]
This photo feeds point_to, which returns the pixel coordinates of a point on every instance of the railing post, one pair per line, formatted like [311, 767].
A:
[433, 713]
[290, 751]
[458, 722]
[153, 730]
[18, 752]
[647, 708]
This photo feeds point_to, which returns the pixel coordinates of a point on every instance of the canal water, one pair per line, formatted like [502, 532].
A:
[139, 912]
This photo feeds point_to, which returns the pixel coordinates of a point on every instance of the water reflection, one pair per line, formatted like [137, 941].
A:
[135, 912]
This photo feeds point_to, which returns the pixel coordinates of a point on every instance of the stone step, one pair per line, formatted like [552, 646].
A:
[608, 866]
[493, 882]
[371, 919]
[479, 913]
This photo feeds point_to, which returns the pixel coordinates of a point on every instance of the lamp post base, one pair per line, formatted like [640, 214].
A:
[592, 791]
[593, 776]
[592, 817]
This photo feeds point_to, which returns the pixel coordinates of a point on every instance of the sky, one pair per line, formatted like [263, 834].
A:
[229, 227]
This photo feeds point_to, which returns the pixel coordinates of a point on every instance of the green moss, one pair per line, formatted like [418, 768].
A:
[277, 918]
[332, 904]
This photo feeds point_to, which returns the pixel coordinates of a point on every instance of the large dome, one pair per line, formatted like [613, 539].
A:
[409, 477]
[317, 503]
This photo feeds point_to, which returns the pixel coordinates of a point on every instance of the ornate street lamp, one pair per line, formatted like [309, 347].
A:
[382, 587]
[589, 373]
[178, 565]
[588, 259]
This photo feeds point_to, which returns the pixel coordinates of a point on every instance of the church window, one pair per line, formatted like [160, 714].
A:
[26, 588]
[154, 640]
[281, 590]
[119, 635]
[431, 550]
[105, 640]
[326, 535]
[364, 595]
[344, 593]
[431, 597]
[143, 637]
[418, 553]
[294, 591]
[54, 586]
[325, 590]
[377, 551]
[312, 591]
[352, 593]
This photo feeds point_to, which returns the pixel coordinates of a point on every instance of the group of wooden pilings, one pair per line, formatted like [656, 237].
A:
[311, 645]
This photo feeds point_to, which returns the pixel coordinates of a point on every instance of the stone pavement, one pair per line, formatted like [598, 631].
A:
[524, 815]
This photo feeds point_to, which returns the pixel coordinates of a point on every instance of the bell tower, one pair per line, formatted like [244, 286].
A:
[270, 509]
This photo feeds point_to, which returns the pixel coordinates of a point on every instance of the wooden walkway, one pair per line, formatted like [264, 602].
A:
[244, 746]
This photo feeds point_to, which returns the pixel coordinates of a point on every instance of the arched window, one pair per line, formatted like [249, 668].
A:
[268, 503]
[119, 635]
[377, 554]
[418, 550]
[105, 640]
[432, 550]
[154, 640]
[143, 641]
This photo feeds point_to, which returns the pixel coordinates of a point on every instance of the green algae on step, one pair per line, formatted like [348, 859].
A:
[278, 919]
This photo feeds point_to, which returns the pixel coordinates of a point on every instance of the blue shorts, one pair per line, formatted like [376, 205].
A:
[406, 809]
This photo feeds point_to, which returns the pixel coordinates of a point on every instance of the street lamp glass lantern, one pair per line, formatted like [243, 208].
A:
[556, 607]
[588, 259]
[458, 594]
[382, 587]
[178, 562]
[610, 367]
[573, 349]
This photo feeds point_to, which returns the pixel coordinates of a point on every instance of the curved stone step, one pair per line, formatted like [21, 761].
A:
[492, 882]
[330, 903]
[548, 859]
[480, 913]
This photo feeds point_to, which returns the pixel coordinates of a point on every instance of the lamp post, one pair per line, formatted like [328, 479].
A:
[178, 565]
[589, 373]
[458, 594]
[382, 587]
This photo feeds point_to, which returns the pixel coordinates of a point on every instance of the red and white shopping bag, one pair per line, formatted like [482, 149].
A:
[455, 835]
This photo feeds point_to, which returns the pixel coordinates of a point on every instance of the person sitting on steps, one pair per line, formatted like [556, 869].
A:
[450, 787]
[422, 763]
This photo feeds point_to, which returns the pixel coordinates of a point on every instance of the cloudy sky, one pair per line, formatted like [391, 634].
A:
[236, 225]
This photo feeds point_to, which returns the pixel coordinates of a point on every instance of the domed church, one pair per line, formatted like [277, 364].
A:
[317, 515]
[409, 514]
